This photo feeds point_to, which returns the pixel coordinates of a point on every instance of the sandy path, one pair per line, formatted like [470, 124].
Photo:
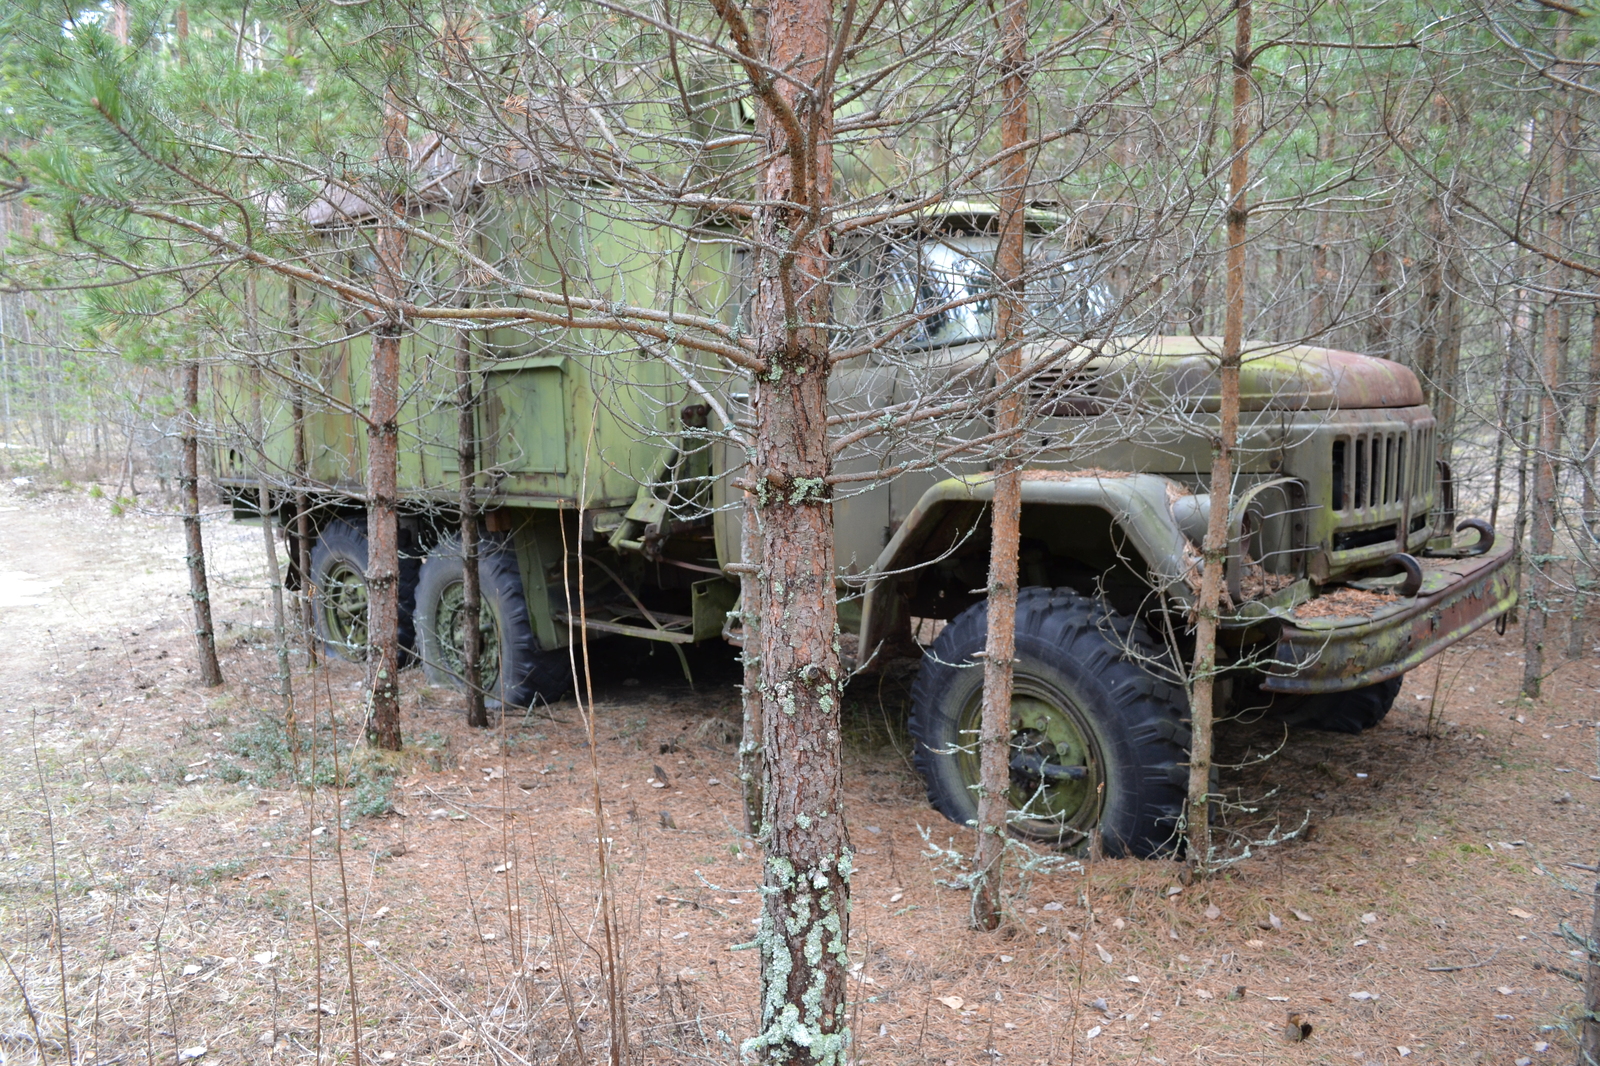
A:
[75, 581]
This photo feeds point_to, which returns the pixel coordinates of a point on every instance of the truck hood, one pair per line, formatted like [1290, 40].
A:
[1272, 377]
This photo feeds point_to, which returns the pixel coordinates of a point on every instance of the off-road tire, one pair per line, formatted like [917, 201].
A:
[1133, 725]
[338, 564]
[528, 673]
[1345, 712]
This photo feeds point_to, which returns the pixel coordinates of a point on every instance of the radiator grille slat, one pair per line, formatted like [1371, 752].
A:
[1378, 476]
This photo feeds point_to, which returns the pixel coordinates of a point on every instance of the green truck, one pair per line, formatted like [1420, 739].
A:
[1347, 565]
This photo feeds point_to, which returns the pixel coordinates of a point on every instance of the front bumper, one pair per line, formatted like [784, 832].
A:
[1336, 654]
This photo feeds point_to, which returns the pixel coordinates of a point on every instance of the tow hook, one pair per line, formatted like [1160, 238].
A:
[1413, 570]
[1485, 539]
[1034, 765]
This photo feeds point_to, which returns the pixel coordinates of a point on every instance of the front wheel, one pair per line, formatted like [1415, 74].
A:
[513, 670]
[1098, 742]
[1354, 711]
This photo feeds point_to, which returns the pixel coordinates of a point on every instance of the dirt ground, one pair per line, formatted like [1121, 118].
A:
[207, 910]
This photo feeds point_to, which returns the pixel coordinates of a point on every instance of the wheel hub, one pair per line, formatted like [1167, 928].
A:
[452, 621]
[1056, 773]
[344, 608]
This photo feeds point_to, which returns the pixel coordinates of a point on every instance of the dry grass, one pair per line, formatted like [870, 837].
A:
[197, 911]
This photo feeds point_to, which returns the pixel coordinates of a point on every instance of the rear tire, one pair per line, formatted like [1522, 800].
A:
[339, 581]
[510, 654]
[1083, 705]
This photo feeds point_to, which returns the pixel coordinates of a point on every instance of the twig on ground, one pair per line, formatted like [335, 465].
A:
[1467, 966]
[1571, 975]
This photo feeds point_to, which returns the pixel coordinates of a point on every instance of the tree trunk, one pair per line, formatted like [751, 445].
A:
[301, 563]
[1202, 683]
[1591, 427]
[1428, 340]
[1589, 1029]
[1380, 326]
[1542, 504]
[466, 456]
[383, 442]
[195, 555]
[805, 917]
[1588, 521]
[752, 771]
[1502, 405]
[994, 793]
[258, 424]
[1524, 442]
[1449, 386]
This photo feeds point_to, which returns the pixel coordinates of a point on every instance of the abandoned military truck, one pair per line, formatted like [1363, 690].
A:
[1347, 565]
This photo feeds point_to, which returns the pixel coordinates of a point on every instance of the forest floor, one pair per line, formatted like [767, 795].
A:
[207, 910]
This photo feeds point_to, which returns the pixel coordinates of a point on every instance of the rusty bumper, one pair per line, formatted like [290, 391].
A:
[1336, 654]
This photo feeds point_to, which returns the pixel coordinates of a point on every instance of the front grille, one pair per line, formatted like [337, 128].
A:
[1377, 477]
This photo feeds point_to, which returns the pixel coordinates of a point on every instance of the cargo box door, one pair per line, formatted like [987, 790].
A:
[525, 418]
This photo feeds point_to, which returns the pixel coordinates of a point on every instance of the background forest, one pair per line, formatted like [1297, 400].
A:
[197, 200]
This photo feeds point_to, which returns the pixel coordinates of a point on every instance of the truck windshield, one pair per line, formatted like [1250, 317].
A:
[949, 286]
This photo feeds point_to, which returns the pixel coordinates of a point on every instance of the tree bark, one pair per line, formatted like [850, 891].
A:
[1591, 519]
[1449, 387]
[258, 425]
[1428, 340]
[752, 770]
[1543, 503]
[1591, 427]
[303, 534]
[805, 917]
[1380, 326]
[1202, 682]
[466, 456]
[383, 442]
[195, 550]
[1588, 521]
[1000, 645]
[1589, 1029]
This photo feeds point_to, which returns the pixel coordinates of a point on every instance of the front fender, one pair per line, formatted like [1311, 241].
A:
[1138, 505]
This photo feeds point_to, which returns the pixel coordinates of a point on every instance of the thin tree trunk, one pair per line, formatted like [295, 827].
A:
[280, 628]
[1524, 430]
[1428, 339]
[752, 770]
[1202, 684]
[466, 456]
[1542, 507]
[806, 913]
[994, 750]
[1502, 406]
[1444, 411]
[1588, 521]
[383, 443]
[195, 555]
[1380, 327]
[1591, 427]
[302, 499]
[1589, 1029]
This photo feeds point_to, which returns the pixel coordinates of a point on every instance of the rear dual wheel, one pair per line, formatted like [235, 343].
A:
[340, 595]
[513, 670]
